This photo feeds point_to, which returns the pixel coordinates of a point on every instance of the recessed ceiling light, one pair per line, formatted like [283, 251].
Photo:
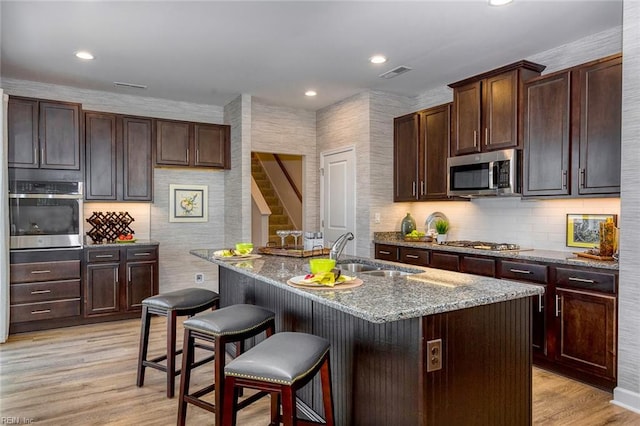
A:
[499, 2]
[378, 59]
[310, 93]
[83, 54]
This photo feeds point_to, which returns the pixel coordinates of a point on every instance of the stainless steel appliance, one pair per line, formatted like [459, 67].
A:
[484, 245]
[45, 214]
[485, 174]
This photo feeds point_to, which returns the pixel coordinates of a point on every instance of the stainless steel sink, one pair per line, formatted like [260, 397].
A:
[386, 273]
[355, 267]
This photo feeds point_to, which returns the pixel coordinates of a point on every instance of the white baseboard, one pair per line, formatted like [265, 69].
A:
[626, 399]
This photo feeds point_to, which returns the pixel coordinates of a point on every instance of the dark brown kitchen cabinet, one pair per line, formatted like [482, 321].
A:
[572, 131]
[448, 261]
[483, 266]
[118, 279]
[387, 252]
[586, 329]
[486, 108]
[118, 157]
[187, 144]
[43, 134]
[421, 148]
[414, 256]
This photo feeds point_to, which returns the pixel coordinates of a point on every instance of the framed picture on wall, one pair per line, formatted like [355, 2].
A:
[188, 203]
[583, 230]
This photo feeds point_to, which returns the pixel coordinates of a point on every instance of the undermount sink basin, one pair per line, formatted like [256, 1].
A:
[354, 267]
[386, 273]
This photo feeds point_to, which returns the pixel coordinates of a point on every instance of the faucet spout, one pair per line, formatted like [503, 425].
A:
[339, 244]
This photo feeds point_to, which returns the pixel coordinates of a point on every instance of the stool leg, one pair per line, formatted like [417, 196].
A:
[145, 320]
[288, 406]
[327, 394]
[219, 380]
[230, 408]
[275, 409]
[171, 352]
[185, 378]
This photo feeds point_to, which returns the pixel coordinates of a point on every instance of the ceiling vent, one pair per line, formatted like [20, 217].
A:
[395, 72]
[132, 85]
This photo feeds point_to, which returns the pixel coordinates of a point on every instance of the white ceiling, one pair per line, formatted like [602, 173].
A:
[208, 52]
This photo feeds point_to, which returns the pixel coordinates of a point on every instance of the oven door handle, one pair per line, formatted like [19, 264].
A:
[48, 196]
[492, 174]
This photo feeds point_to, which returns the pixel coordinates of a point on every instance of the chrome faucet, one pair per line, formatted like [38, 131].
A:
[338, 245]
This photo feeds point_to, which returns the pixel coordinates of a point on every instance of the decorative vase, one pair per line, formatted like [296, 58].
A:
[441, 238]
[408, 225]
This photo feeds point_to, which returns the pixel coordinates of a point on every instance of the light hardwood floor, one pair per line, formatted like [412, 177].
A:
[86, 376]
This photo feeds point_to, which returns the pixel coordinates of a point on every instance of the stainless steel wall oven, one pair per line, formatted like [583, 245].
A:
[45, 214]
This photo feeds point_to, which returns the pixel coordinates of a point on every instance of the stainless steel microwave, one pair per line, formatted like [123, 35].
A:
[495, 173]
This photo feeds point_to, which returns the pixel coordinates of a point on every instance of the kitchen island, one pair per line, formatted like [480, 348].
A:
[435, 347]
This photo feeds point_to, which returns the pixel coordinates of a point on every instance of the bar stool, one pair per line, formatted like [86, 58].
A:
[231, 324]
[186, 302]
[282, 364]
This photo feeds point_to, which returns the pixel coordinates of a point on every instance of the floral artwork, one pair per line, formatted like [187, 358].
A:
[187, 203]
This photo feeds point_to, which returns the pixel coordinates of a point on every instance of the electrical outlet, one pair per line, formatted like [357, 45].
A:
[434, 355]
[199, 278]
[376, 217]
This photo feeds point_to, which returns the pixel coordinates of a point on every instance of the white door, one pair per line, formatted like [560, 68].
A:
[338, 195]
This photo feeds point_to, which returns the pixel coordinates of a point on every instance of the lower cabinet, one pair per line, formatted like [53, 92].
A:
[118, 279]
[448, 261]
[387, 252]
[414, 256]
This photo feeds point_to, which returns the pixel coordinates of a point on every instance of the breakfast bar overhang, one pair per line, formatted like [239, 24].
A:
[431, 348]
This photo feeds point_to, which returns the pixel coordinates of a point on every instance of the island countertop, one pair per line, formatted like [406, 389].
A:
[381, 299]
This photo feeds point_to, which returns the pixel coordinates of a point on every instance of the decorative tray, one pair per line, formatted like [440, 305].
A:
[125, 241]
[593, 256]
[291, 252]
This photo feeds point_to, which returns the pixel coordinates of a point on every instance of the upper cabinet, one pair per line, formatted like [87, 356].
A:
[43, 134]
[186, 144]
[118, 157]
[572, 131]
[486, 108]
[421, 147]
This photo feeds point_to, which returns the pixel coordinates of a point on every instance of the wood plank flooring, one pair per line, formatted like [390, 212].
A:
[86, 376]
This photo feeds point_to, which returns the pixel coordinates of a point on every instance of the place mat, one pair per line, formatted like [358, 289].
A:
[343, 286]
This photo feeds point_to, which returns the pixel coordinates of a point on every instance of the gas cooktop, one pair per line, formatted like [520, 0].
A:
[482, 245]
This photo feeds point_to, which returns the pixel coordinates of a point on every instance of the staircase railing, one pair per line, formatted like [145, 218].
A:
[260, 213]
[288, 176]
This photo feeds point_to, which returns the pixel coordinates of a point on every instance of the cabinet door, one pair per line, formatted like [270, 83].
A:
[435, 131]
[102, 294]
[450, 262]
[22, 123]
[467, 118]
[172, 143]
[137, 173]
[600, 127]
[100, 154]
[387, 252]
[405, 157]
[211, 143]
[500, 111]
[546, 136]
[414, 256]
[141, 277]
[59, 136]
[585, 328]
[539, 324]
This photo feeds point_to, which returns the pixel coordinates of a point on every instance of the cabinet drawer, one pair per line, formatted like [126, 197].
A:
[142, 253]
[45, 310]
[387, 252]
[45, 271]
[450, 262]
[598, 281]
[414, 256]
[45, 291]
[523, 271]
[478, 266]
[103, 255]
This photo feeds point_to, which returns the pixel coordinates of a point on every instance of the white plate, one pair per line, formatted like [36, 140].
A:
[430, 223]
[299, 280]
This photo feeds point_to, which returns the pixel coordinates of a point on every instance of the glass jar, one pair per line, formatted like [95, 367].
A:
[607, 238]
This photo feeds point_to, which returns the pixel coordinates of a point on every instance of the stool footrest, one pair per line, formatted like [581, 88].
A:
[251, 399]
[201, 392]
[200, 403]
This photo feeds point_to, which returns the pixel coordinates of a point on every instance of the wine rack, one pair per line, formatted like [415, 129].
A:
[105, 227]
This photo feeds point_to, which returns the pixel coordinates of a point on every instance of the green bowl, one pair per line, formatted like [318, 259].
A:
[244, 248]
[318, 266]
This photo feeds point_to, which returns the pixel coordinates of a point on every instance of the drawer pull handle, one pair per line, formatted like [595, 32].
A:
[104, 256]
[581, 280]
[540, 303]
[412, 256]
[40, 291]
[520, 271]
[44, 271]
[558, 301]
[42, 311]
[384, 252]
[142, 254]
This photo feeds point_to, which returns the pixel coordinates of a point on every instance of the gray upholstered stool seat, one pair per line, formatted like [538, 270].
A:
[283, 358]
[232, 324]
[186, 302]
[280, 365]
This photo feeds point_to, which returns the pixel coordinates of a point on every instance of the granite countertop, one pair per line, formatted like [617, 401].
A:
[552, 256]
[114, 244]
[380, 299]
